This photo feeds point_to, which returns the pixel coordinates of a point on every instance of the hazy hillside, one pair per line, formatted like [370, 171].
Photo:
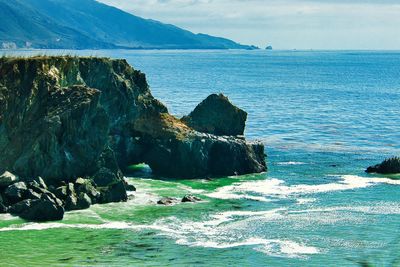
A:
[79, 24]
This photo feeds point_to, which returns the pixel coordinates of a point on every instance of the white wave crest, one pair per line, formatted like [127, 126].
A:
[277, 188]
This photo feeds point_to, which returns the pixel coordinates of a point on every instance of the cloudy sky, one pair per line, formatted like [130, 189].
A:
[285, 24]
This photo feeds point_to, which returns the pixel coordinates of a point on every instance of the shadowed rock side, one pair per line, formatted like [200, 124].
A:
[62, 118]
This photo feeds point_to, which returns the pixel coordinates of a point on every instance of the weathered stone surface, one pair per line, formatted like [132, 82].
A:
[388, 166]
[190, 198]
[217, 115]
[83, 202]
[7, 178]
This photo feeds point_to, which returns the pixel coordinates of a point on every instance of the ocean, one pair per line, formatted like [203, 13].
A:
[324, 116]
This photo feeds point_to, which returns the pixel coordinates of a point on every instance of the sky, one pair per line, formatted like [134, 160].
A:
[284, 24]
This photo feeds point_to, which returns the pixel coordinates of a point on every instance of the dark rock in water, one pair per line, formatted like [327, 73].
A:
[16, 192]
[113, 193]
[42, 210]
[167, 201]
[216, 115]
[7, 179]
[388, 166]
[129, 187]
[191, 198]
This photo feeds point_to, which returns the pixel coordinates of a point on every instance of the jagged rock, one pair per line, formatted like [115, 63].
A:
[388, 166]
[167, 201]
[16, 192]
[113, 193]
[190, 198]
[7, 178]
[216, 115]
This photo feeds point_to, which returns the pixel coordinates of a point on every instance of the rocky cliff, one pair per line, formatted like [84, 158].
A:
[62, 118]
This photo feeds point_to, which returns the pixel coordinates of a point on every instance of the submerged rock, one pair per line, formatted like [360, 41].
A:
[167, 201]
[388, 166]
[191, 198]
[217, 115]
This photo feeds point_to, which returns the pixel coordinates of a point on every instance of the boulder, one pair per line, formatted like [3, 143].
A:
[42, 210]
[388, 166]
[16, 192]
[217, 115]
[167, 201]
[36, 182]
[190, 198]
[113, 193]
[7, 178]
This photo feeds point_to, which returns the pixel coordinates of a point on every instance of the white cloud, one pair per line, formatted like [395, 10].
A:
[285, 24]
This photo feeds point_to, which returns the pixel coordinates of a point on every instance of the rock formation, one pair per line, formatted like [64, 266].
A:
[62, 118]
[388, 166]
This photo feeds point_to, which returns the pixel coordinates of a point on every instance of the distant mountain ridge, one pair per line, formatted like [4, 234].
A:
[88, 24]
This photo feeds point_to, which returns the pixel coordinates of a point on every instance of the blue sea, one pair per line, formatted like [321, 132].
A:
[324, 116]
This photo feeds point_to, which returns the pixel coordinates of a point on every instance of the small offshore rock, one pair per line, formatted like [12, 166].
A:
[388, 166]
[129, 187]
[16, 192]
[7, 178]
[191, 198]
[167, 201]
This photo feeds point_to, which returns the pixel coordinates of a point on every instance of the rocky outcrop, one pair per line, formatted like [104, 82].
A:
[62, 118]
[388, 166]
[217, 115]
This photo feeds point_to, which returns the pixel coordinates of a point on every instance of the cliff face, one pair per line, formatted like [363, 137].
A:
[68, 117]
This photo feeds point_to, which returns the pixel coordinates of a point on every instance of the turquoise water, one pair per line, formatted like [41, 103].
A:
[324, 117]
